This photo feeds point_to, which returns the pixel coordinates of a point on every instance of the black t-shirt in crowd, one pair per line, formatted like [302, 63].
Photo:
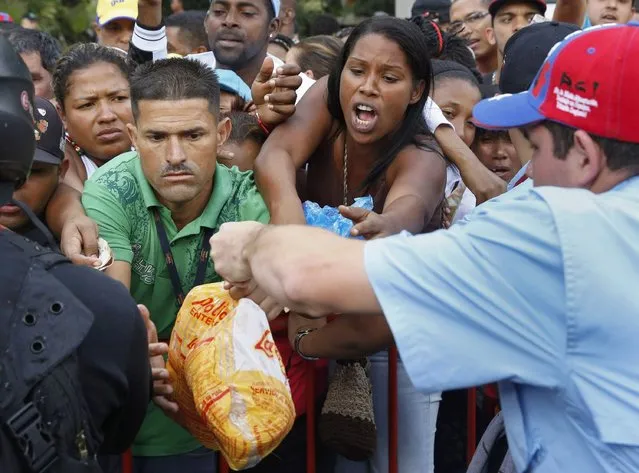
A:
[113, 358]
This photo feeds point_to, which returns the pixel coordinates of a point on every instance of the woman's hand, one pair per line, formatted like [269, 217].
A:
[367, 223]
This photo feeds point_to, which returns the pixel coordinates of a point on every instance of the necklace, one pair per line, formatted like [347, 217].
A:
[345, 173]
[73, 144]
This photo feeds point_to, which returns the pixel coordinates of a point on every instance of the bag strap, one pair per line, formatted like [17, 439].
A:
[202, 262]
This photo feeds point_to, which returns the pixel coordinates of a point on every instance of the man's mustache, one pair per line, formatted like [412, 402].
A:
[179, 169]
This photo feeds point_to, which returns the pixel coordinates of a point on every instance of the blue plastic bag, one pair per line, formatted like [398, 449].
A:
[329, 218]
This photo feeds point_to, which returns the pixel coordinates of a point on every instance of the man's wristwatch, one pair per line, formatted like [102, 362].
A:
[298, 338]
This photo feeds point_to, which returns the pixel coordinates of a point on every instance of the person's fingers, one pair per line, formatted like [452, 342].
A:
[89, 234]
[287, 97]
[275, 312]
[71, 246]
[356, 214]
[272, 315]
[250, 106]
[81, 260]
[239, 292]
[368, 227]
[144, 312]
[266, 71]
[157, 349]
[160, 374]
[263, 84]
[167, 406]
[289, 70]
[286, 110]
[288, 82]
[162, 388]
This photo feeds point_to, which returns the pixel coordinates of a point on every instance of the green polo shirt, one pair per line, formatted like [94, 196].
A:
[119, 198]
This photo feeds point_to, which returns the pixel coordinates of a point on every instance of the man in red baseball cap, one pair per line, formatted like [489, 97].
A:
[580, 111]
[537, 292]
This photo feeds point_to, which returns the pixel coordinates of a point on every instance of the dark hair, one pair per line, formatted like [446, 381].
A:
[324, 24]
[174, 79]
[238, 104]
[486, 3]
[191, 25]
[32, 41]
[82, 56]
[453, 70]
[619, 154]
[283, 41]
[345, 32]
[318, 54]
[245, 126]
[446, 46]
[413, 128]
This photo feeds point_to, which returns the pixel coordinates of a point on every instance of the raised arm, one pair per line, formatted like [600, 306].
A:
[288, 147]
[570, 11]
[482, 182]
[148, 42]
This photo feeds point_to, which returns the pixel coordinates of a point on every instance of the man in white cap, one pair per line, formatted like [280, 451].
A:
[114, 22]
[238, 34]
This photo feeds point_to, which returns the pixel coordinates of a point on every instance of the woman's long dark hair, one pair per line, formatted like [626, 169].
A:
[413, 128]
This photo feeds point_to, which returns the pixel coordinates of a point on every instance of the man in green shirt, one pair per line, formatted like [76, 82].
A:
[157, 208]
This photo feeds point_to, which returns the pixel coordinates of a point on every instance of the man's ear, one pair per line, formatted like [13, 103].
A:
[97, 30]
[490, 36]
[274, 27]
[588, 159]
[417, 92]
[133, 134]
[223, 131]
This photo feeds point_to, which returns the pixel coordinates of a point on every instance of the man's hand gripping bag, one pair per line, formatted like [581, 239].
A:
[229, 379]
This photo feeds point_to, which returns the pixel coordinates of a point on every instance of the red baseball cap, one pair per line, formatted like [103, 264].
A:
[495, 5]
[588, 81]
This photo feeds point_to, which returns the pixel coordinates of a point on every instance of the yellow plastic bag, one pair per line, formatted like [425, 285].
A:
[228, 376]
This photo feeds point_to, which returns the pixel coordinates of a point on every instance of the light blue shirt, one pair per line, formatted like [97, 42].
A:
[540, 293]
[513, 182]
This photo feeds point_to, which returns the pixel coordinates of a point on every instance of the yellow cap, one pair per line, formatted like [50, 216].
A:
[109, 10]
[174, 56]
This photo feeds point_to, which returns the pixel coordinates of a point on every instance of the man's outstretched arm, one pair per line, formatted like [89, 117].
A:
[306, 269]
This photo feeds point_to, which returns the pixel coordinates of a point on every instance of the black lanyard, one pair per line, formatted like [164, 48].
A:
[170, 261]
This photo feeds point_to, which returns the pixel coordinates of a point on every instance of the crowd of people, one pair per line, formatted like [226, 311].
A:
[501, 138]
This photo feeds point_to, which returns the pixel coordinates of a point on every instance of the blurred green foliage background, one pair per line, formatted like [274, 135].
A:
[71, 20]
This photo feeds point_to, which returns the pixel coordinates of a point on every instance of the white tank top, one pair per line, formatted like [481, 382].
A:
[89, 165]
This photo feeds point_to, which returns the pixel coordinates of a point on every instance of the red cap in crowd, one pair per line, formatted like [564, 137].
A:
[588, 81]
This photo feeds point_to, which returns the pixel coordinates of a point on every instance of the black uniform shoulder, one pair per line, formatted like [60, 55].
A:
[113, 359]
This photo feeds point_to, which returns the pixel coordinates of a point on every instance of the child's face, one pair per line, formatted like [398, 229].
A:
[35, 193]
[244, 154]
